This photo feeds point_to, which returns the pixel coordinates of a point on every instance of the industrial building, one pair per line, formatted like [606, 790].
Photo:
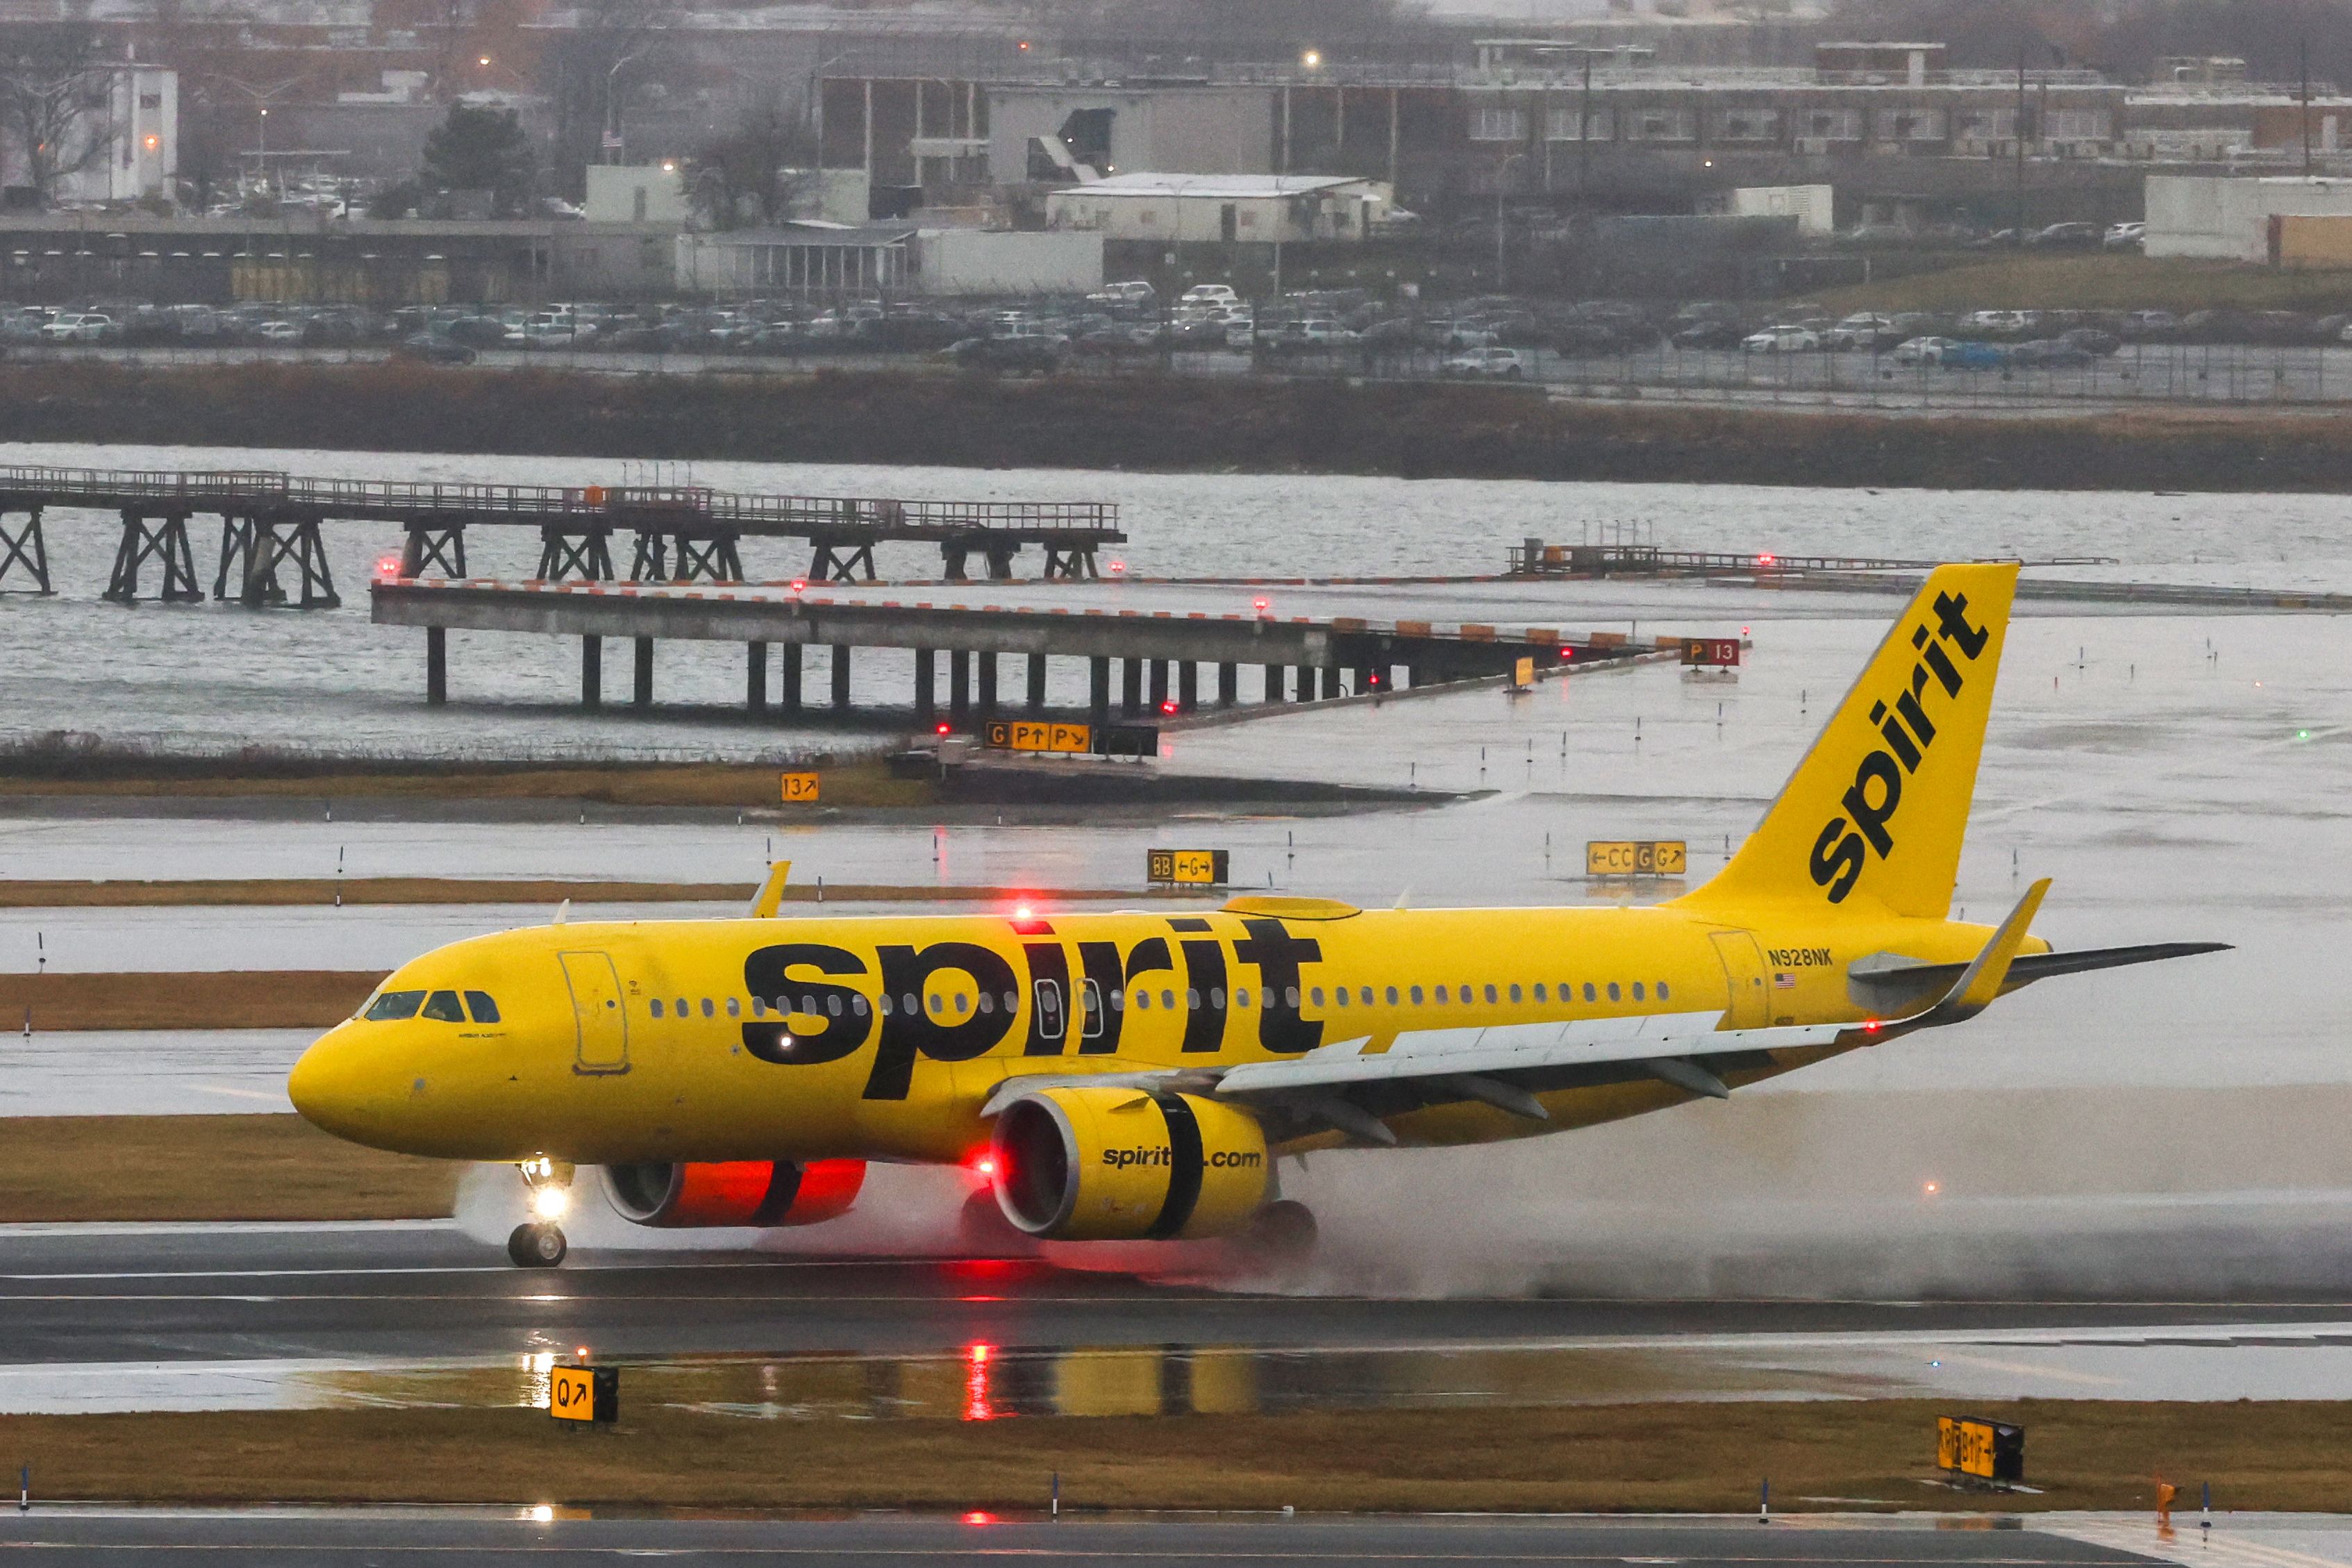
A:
[1184, 209]
[2241, 219]
[824, 259]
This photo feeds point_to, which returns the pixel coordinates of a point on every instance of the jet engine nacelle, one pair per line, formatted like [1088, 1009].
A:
[1106, 1164]
[735, 1192]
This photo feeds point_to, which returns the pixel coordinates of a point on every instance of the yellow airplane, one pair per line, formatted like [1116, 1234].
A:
[1138, 1075]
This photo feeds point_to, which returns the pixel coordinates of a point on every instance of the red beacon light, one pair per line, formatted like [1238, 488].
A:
[942, 729]
[1168, 706]
[799, 584]
[1118, 568]
[1766, 559]
[387, 567]
[1260, 605]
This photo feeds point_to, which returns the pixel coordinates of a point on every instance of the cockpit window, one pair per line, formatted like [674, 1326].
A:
[442, 1005]
[478, 1003]
[394, 1005]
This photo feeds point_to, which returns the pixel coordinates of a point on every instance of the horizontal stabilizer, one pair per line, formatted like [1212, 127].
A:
[1890, 978]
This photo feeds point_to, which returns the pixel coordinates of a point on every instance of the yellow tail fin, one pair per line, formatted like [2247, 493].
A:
[1878, 808]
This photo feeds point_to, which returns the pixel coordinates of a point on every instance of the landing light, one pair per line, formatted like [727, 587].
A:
[549, 1202]
[542, 1514]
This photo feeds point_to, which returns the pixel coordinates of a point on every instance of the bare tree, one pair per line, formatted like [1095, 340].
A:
[746, 176]
[53, 103]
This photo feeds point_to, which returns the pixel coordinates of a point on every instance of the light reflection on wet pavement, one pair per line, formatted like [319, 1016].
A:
[984, 1381]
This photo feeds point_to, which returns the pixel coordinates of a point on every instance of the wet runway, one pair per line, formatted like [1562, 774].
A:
[133, 1317]
[80, 1536]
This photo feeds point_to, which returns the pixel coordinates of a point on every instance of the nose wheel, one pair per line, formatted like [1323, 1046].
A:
[537, 1245]
[539, 1242]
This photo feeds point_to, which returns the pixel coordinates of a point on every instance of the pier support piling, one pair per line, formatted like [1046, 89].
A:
[984, 675]
[1331, 682]
[1306, 683]
[23, 547]
[1229, 685]
[1159, 685]
[959, 686]
[1036, 683]
[1097, 689]
[755, 674]
[568, 552]
[164, 540]
[1275, 675]
[591, 672]
[437, 666]
[841, 677]
[1187, 686]
[643, 695]
[927, 700]
[792, 679]
[1130, 687]
[432, 545]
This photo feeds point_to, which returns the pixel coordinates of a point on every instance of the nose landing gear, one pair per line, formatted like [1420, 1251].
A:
[539, 1243]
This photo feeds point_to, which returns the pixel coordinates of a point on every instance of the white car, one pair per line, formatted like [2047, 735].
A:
[1488, 365]
[1209, 294]
[280, 332]
[1134, 292]
[1863, 329]
[1780, 341]
[1920, 351]
[82, 327]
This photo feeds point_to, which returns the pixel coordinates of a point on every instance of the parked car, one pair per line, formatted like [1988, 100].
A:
[2125, 236]
[2092, 341]
[1134, 293]
[2066, 236]
[2050, 354]
[1209, 294]
[281, 333]
[1863, 329]
[1710, 335]
[82, 327]
[1780, 341]
[1962, 355]
[1487, 364]
[429, 348]
[2150, 324]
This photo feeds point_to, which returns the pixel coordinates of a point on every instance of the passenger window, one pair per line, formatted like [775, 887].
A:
[1661, 990]
[1443, 995]
[656, 1006]
[1192, 998]
[1365, 995]
[759, 1007]
[1588, 994]
[1090, 1000]
[1241, 996]
[857, 1005]
[832, 1005]
[1316, 995]
[442, 1007]
[707, 1010]
[1118, 1000]
[1541, 995]
[962, 1004]
[1392, 996]
[1637, 991]
[988, 1000]
[1048, 1013]
[910, 1003]
[1143, 1000]
[1216, 998]
[1416, 996]
[1612, 991]
[1490, 993]
[1465, 995]
[937, 1006]
[733, 1009]
[1290, 996]
[683, 1010]
[1341, 994]
[479, 1004]
[1515, 994]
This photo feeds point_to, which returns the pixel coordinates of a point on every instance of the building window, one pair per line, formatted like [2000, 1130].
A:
[1910, 125]
[1750, 125]
[1571, 122]
[1833, 124]
[2074, 125]
[1984, 124]
[1662, 125]
[1498, 121]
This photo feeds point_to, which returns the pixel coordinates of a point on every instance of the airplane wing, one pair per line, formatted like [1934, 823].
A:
[1344, 1087]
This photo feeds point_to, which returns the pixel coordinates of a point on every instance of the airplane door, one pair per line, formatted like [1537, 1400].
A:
[596, 1009]
[1743, 965]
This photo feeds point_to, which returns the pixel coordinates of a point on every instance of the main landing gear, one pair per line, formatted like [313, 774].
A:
[539, 1243]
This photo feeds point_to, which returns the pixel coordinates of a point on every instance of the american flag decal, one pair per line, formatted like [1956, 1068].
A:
[1784, 981]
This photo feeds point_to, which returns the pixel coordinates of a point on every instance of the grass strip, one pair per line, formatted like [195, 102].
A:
[198, 999]
[58, 1169]
[1695, 1456]
[29, 893]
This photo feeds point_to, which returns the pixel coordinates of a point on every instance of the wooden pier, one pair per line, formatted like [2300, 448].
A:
[1139, 664]
[273, 553]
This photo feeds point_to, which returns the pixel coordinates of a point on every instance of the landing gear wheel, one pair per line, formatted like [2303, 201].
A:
[537, 1245]
[1279, 1234]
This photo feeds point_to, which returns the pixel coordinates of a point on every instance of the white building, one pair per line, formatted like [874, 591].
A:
[122, 145]
[636, 193]
[1207, 209]
[1809, 204]
[2223, 218]
[823, 260]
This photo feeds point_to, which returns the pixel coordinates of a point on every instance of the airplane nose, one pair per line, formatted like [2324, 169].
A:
[325, 1085]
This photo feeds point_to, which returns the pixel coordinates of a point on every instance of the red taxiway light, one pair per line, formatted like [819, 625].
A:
[940, 728]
